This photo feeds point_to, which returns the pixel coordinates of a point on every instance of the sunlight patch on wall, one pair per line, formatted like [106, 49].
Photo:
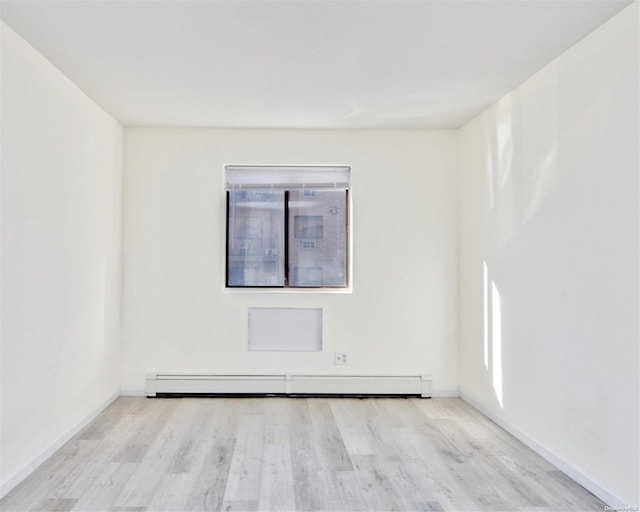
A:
[543, 176]
[489, 143]
[486, 315]
[496, 341]
[504, 135]
[539, 127]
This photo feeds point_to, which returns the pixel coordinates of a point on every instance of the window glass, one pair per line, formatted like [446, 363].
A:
[256, 241]
[320, 221]
[287, 226]
[308, 226]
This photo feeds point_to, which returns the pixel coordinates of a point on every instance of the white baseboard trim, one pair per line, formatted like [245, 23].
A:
[436, 393]
[613, 501]
[31, 466]
[287, 384]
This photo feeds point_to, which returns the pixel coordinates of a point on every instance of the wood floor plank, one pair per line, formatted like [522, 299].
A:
[426, 470]
[243, 483]
[276, 478]
[56, 505]
[154, 447]
[240, 506]
[379, 477]
[429, 506]
[171, 494]
[103, 492]
[303, 454]
[209, 480]
[210, 461]
[52, 478]
[328, 444]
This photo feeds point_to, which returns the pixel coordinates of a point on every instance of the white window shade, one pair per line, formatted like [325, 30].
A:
[286, 177]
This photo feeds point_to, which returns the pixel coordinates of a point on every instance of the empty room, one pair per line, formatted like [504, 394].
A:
[320, 255]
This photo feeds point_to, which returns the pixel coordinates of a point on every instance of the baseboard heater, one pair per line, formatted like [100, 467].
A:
[173, 384]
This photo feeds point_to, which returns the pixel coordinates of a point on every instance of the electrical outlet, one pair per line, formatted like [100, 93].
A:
[340, 358]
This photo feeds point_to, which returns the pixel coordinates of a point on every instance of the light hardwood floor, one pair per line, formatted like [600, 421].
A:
[299, 454]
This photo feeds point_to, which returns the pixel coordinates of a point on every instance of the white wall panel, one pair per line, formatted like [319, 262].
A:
[287, 329]
[399, 317]
[61, 192]
[549, 259]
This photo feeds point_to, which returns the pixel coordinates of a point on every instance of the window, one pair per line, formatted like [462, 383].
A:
[287, 226]
[308, 226]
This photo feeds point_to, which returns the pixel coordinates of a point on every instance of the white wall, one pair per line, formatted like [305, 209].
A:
[401, 316]
[61, 182]
[549, 202]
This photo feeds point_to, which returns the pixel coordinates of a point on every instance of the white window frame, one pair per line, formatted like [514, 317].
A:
[290, 179]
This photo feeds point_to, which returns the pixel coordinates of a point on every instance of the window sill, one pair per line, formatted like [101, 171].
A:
[265, 290]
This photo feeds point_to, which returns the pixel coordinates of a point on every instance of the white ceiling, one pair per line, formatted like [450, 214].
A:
[302, 63]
